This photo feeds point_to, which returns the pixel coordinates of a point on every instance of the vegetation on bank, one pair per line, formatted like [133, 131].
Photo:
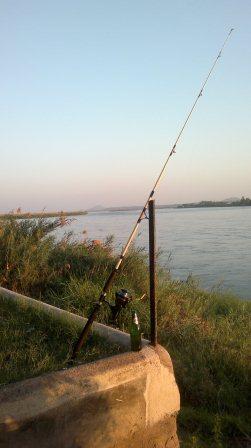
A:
[33, 215]
[239, 203]
[205, 333]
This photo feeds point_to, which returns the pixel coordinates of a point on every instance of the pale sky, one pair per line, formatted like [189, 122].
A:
[93, 94]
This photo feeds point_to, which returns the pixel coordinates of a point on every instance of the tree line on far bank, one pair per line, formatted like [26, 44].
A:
[239, 203]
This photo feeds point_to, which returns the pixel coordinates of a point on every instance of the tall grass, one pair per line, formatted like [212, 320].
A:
[206, 334]
[26, 249]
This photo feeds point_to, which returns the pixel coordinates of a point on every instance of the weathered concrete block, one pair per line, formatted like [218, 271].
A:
[125, 401]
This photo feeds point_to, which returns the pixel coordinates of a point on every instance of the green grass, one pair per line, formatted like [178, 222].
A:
[206, 333]
[33, 343]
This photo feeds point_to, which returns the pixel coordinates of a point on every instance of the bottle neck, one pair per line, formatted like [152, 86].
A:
[135, 318]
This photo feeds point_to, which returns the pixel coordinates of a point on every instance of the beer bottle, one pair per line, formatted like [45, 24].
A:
[135, 333]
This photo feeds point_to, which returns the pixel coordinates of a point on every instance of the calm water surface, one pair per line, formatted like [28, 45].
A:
[213, 244]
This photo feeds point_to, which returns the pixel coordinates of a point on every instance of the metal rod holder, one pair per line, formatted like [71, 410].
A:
[152, 271]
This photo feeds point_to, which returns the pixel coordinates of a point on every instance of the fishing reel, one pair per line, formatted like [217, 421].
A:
[122, 299]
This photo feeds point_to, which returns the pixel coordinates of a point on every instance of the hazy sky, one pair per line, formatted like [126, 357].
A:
[93, 94]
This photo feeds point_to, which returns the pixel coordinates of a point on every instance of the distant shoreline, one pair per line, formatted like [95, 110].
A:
[211, 206]
[30, 215]
[178, 206]
[243, 202]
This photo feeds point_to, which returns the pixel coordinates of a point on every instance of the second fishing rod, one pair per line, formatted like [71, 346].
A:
[102, 298]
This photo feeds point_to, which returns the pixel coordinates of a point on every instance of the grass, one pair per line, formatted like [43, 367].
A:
[206, 333]
[33, 343]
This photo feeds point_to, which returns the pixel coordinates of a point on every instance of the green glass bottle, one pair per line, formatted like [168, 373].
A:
[135, 333]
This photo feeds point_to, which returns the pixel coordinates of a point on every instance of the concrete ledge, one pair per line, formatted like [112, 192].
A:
[111, 334]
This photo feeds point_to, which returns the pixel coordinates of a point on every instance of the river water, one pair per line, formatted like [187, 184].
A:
[213, 244]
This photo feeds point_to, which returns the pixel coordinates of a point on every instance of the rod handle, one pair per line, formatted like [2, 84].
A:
[86, 330]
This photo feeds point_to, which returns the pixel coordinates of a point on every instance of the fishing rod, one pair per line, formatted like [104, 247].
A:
[142, 215]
